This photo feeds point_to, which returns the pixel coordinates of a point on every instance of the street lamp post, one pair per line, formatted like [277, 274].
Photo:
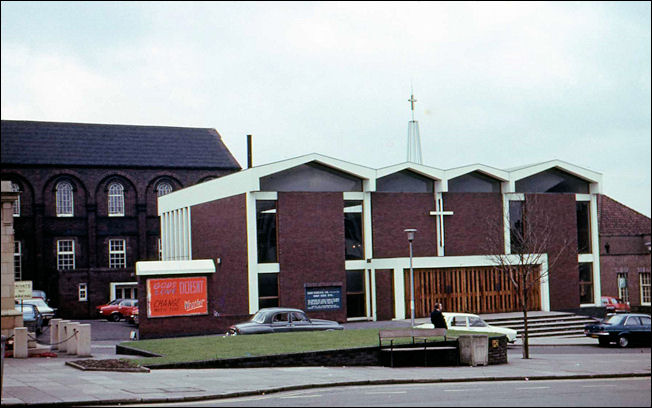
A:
[410, 235]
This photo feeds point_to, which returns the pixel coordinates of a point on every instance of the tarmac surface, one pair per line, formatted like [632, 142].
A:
[49, 381]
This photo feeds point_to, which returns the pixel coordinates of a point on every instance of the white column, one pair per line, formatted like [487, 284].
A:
[399, 293]
[595, 249]
[252, 252]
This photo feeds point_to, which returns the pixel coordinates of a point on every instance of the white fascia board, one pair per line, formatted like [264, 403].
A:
[585, 174]
[341, 165]
[225, 186]
[426, 171]
[500, 175]
[149, 268]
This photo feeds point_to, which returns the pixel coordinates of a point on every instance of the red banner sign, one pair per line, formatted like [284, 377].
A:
[177, 297]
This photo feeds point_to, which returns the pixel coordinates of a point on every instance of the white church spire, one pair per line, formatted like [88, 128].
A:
[414, 139]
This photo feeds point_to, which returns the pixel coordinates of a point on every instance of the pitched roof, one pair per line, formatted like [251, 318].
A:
[618, 219]
[86, 144]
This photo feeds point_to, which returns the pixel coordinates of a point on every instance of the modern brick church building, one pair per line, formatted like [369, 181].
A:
[328, 236]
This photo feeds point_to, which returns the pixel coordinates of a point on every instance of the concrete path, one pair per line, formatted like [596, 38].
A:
[49, 381]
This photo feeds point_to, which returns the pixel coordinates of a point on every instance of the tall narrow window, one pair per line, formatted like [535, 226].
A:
[160, 250]
[65, 254]
[267, 290]
[16, 204]
[116, 200]
[65, 204]
[644, 278]
[117, 253]
[163, 188]
[583, 228]
[266, 226]
[623, 290]
[586, 283]
[355, 294]
[516, 228]
[353, 247]
[82, 291]
[18, 261]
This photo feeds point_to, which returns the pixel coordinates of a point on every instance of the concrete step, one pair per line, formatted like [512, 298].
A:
[545, 325]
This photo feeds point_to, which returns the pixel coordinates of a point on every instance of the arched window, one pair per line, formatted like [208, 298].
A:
[163, 188]
[116, 199]
[16, 205]
[65, 203]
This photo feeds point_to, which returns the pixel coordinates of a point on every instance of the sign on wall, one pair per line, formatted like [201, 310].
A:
[177, 297]
[23, 289]
[324, 298]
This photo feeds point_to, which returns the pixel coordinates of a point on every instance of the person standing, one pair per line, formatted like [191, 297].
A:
[437, 318]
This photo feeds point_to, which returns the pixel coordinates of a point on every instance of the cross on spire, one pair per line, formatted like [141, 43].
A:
[412, 100]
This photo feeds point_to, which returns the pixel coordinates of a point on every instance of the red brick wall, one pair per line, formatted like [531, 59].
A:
[476, 226]
[219, 230]
[557, 213]
[385, 294]
[310, 247]
[394, 212]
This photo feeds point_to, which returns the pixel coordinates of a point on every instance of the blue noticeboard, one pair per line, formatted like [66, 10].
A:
[324, 298]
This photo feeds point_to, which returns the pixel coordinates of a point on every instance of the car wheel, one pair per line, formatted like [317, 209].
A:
[623, 341]
[114, 317]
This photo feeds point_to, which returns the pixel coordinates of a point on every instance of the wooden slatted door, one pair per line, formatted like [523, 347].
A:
[471, 290]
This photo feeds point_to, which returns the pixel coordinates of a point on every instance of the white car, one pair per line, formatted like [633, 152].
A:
[471, 322]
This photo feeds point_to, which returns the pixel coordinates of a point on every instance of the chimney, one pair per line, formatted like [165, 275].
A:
[249, 160]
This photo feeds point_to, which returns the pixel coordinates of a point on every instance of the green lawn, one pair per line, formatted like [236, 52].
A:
[199, 348]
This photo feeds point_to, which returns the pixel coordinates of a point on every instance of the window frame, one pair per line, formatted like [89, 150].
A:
[117, 257]
[16, 204]
[116, 199]
[82, 292]
[65, 199]
[63, 256]
[18, 260]
[623, 293]
[161, 191]
[644, 286]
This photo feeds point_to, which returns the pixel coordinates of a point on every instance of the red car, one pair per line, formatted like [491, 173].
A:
[615, 305]
[118, 309]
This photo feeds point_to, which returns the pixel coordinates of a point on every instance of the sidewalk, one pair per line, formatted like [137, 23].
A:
[38, 380]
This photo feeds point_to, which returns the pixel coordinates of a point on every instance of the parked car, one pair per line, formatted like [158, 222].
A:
[32, 318]
[39, 294]
[117, 309]
[133, 317]
[614, 305]
[472, 322]
[279, 320]
[47, 312]
[622, 328]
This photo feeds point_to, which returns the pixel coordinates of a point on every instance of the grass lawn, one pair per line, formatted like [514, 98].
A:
[199, 348]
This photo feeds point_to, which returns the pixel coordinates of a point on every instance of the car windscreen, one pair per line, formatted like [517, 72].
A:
[614, 319]
[477, 322]
[259, 317]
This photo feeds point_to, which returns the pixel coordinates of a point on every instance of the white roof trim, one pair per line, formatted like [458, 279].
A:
[584, 174]
[426, 171]
[500, 175]
[150, 268]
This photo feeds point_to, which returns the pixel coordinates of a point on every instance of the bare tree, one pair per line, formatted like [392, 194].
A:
[530, 260]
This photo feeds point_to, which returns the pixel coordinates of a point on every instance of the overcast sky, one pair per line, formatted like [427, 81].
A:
[502, 84]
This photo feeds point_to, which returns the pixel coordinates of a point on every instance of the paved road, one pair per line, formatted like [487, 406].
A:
[619, 392]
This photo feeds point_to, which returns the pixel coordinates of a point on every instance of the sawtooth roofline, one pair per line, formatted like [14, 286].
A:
[248, 180]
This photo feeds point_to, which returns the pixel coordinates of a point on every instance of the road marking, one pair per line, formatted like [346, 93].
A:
[532, 388]
[386, 392]
[302, 396]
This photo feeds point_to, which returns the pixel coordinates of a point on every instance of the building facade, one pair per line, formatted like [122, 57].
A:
[329, 237]
[87, 205]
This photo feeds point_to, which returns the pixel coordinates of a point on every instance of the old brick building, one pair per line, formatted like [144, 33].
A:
[328, 236]
[87, 209]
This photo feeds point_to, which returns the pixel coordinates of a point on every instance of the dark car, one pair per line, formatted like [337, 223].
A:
[280, 320]
[622, 328]
[32, 318]
[117, 309]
